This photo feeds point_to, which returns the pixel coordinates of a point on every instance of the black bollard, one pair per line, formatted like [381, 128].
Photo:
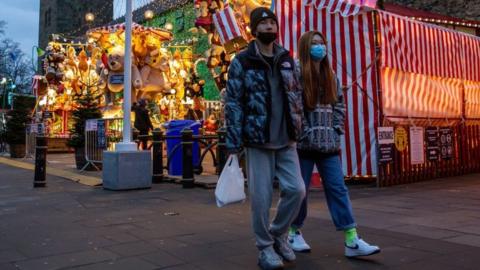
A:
[157, 154]
[39, 179]
[188, 180]
[221, 150]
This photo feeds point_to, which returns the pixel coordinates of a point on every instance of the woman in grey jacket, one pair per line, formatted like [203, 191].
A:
[325, 114]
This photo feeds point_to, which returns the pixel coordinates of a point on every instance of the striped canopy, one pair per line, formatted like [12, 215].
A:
[428, 71]
[351, 47]
[344, 7]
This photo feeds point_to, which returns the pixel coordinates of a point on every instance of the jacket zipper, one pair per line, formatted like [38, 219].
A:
[269, 95]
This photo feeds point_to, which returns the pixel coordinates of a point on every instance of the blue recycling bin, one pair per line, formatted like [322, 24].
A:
[174, 128]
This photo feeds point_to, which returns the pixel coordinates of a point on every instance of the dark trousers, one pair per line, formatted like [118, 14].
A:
[143, 139]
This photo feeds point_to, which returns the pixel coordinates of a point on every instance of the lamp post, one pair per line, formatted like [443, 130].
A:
[127, 168]
[127, 144]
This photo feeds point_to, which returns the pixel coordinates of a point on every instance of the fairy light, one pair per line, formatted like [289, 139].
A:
[149, 14]
[169, 26]
[89, 17]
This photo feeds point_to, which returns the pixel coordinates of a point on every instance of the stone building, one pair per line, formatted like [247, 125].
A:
[67, 17]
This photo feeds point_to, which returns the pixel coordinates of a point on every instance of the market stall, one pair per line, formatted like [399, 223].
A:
[424, 76]
[69, 72]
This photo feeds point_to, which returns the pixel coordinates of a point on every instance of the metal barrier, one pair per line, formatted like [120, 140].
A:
[100, 135]
[212, 107]
[212, 144]
[464, 159]
[30, 140]
[215, 108]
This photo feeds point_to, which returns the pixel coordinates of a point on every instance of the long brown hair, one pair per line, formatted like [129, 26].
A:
[313, 79]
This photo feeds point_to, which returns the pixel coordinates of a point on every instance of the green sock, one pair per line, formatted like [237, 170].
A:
[350, 236]
[292, 230]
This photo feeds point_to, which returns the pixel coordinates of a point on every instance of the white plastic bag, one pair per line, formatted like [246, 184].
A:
[231, 184]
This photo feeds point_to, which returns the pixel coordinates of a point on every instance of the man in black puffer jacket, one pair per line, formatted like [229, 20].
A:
[264, 114]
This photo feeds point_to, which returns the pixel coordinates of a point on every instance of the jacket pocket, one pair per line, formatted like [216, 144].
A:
[337, 145]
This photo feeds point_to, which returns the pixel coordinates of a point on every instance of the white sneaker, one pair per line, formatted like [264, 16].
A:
[360, 248]
[297, 243]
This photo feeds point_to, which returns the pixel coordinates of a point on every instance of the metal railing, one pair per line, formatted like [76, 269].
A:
[100, 135]
[213, 145]
[31, 132]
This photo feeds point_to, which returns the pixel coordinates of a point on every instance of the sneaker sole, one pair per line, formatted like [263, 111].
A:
[364, 255]
[270, 268]
[283, 257]
[302, 250]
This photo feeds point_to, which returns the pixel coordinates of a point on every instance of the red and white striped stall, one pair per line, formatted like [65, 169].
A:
[350, 34]
[425, 71]
[428, 71]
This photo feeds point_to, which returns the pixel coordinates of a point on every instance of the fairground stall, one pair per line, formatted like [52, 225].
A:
[415, 84]
[70, 73]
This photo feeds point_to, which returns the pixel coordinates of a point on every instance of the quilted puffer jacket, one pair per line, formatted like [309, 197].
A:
[248, 104]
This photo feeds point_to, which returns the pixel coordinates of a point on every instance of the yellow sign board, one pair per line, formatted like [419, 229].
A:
[401, 139]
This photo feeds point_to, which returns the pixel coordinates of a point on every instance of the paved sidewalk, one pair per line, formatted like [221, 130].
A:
[433, 225]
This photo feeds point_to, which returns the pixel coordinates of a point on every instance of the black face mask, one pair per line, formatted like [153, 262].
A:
[266, 37]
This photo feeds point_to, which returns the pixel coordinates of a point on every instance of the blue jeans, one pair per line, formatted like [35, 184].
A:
[336, 193]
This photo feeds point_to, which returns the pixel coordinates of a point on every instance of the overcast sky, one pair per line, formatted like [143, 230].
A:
[22, 20]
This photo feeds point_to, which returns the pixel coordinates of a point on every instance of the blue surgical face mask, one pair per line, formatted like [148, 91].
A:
[318, 52]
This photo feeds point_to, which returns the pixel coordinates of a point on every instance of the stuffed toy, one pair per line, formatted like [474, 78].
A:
[245, 7]
[82, 61]
[164, 109]
[152, 43]
[214, 55]
[204, 17]
[187, 58]
[97, 59]
[139, 47]
[70, 61]
[112, 78]
[215, 6]
[153, 74]
[54, 67]
[211, 125]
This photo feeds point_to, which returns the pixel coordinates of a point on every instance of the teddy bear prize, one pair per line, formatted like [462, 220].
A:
[163, 76]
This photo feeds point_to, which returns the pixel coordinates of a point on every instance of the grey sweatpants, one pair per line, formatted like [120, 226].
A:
[263, 165]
